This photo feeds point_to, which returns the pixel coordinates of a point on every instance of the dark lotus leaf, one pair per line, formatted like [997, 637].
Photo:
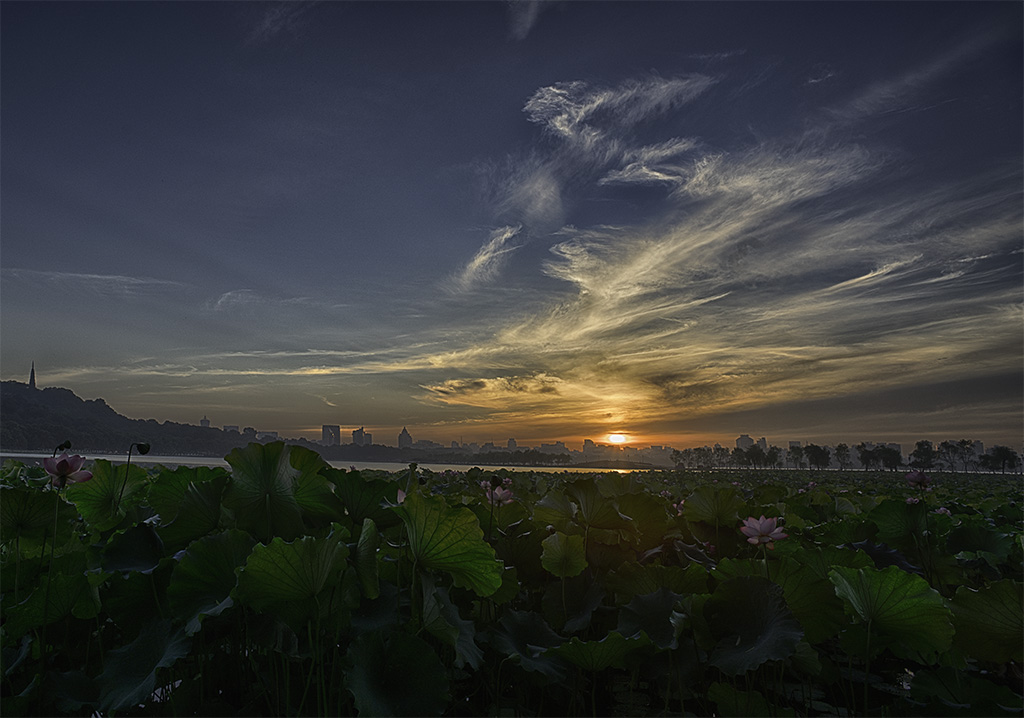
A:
[752, 623]
[68, 595]
[632, 579]
[366, 559]
[441, 617]
[395, 674]
[734, 702]
[980, 539]
[571, 603]
[204, 577]
[966, 693]
[526, 635]
[595, 510]
[129, 673]
[71, 691]
[713, 505]
[138, 548]
[27, 514]
[900, 523]
[652, 614]
[563, 555]
[190, 504]
[365, 498]
[598, 655]
[883, 556]
[988, 621]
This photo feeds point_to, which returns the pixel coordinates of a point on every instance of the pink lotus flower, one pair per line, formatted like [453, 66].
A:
[913, 500]
[66, 469]
[762, 531]
[918, 479]
[943, 510]
[497, 496]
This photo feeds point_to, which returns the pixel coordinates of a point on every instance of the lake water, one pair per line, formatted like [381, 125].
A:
[175, 461]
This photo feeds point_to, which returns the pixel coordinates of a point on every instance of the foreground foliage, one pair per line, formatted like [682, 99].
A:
[287, 587]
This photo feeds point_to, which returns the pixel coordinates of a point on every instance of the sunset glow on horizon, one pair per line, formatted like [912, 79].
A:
[635, 223]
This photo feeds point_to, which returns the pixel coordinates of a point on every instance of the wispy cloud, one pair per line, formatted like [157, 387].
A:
[278, 18]
[487, 262]
[105, 284]
[523, 16]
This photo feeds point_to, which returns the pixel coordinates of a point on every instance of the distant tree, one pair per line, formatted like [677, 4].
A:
[817, 456]
[772, 456]
[946, 454]
[756, 456]
[1000, 458]
[721, 456]
[889, 457]
[843, 456]
[869, 457]
[796, 455]
[924, 455]
[738, 457]
[965, 452]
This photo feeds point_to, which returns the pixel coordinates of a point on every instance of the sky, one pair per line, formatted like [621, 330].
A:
[679, 221]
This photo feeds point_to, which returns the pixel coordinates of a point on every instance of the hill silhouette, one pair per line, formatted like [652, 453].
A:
[40, 419]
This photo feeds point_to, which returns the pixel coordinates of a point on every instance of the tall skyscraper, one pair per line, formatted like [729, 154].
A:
[404, 439]
[32, 377]
[204, 422]
[330, 435]
[361, 437]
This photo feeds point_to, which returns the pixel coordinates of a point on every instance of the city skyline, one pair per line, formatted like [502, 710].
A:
[678, 222]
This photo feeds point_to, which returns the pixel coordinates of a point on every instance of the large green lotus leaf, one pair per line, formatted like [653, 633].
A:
[632, 579]
[104, 500]
[554, 509]
[27, 514]
[969, 695]
[263, 485]
[899, 522]
[441, 617]
[446, 539]
[598, 655]
[988, 621]
[366, 559]
[132, 599]
[129, 673]
[902, 610]
[652, 614]
[315, 496]
[286, 578]
[752, 624]
[525, 635]
[68, 594]
[731, 701]
[137, 548]
[188, 502]
[563, 555]
[167, 493]
[714, 505]
[204, 577]
[395, 674]
[365, 498]
[811, 599]
[597, 511]
[570, 603]
[649, 517]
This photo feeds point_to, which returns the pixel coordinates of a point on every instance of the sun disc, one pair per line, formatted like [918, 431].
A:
[617, 438]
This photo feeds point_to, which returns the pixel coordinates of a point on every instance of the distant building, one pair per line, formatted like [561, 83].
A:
[361, 437]
[512, 445]
[264, 435]
[744, 442]
[204, 422]
[330, 434]
[231, 427]
[32, 377]
[794, 444]
[763, 443]
[404, 439]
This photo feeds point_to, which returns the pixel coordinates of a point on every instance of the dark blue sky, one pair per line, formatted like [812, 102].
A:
[677, 220]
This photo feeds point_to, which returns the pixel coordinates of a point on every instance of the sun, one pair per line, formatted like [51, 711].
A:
[617, 438]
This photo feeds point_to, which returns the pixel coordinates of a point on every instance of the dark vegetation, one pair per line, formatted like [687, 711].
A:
[286, 587]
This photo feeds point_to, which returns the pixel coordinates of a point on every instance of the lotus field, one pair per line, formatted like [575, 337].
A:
[285, 587]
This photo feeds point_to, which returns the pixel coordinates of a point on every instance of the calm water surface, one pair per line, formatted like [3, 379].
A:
[175, 461]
